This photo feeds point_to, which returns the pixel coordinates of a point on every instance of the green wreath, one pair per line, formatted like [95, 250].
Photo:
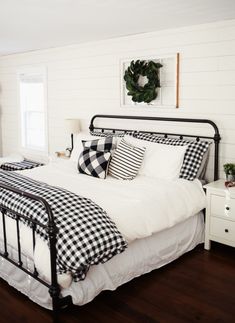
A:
[146, 93]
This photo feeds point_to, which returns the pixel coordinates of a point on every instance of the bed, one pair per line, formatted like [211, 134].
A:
[29, 265]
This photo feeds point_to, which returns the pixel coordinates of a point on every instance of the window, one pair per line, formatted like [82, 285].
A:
[32, 90]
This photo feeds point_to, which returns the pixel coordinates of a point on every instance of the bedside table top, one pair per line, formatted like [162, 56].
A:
[63, 157]
[61, 154]
[219, 185]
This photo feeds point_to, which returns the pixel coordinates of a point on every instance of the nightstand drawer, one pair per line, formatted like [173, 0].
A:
[222, 228]
[218, 205]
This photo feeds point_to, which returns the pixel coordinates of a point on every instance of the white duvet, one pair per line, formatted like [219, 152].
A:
[139, 208]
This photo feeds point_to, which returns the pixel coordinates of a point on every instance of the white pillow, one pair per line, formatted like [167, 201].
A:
[160, 161]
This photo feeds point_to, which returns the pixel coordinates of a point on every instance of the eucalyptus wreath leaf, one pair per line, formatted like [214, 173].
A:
[148, 92]
[146, 96]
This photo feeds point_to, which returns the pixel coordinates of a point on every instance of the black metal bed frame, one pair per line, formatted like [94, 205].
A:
[54, 289]
[216, 138]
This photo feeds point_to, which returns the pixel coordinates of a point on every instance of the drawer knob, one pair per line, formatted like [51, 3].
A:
[226, 230]
[227, 208]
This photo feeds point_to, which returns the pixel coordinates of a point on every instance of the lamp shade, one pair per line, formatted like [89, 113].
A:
[72, 125]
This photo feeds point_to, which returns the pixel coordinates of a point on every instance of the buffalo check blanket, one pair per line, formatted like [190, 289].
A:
[86, 235]
[25, 164]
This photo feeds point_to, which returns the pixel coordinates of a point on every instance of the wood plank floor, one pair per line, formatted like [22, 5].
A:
[198, 287]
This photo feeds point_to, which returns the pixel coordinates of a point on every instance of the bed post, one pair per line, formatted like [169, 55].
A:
[217, 139]
[54, 289]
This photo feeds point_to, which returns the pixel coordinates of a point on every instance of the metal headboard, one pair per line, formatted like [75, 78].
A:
[216, 137]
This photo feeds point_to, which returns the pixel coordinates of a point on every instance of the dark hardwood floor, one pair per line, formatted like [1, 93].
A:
[198, 287]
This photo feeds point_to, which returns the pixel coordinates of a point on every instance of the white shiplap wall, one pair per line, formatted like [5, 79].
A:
[85, 79]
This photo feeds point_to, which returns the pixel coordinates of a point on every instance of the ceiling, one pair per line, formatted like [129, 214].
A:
[37, 24]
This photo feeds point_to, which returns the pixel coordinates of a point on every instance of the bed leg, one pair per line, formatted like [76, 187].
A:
[55, 316]
[58, 303]
[207, 244]
[54, 292]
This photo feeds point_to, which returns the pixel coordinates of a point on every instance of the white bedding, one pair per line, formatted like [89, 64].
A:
[139, 208]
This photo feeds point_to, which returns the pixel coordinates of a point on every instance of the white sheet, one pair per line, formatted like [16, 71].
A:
[139, 207]
[142, 256]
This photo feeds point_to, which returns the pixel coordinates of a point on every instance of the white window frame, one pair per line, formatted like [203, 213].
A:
[31, 151]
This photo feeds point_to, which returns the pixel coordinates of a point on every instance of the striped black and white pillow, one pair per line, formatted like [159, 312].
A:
[126, 161]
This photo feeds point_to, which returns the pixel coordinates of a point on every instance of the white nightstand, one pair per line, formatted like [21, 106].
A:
[220, 214]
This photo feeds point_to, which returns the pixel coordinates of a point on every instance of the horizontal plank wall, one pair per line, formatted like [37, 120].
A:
[85, 79]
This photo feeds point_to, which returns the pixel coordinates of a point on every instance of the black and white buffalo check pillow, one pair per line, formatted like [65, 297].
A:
[115, 134]
[94, 163]
[103, 144]
[193, 155]
[126, 161]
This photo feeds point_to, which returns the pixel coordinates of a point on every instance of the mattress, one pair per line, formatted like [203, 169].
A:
[142, 256]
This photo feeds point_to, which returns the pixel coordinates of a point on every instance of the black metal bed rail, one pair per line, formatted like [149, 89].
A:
[216, 137]
[50, 228]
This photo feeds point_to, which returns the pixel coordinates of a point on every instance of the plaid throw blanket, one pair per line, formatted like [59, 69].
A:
[25, 164]
[86, 236]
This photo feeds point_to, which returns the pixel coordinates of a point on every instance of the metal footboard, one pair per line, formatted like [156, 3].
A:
[51, 230]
